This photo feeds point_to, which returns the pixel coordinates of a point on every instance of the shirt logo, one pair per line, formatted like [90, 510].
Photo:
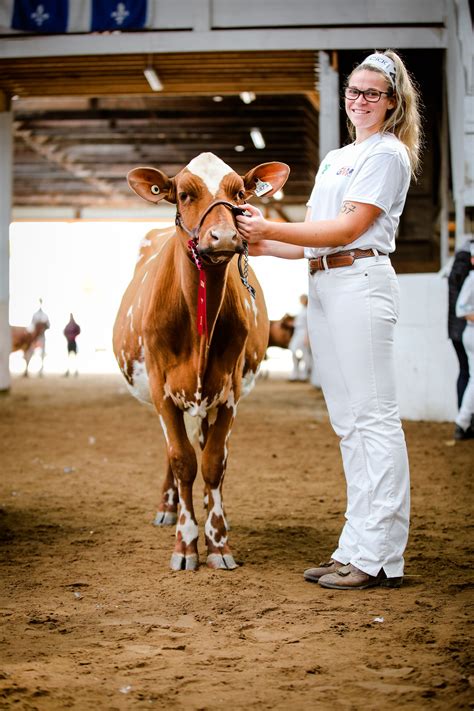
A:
[345, 170]
[326, 167]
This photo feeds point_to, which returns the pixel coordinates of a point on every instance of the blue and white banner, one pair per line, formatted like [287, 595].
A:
[62, 16]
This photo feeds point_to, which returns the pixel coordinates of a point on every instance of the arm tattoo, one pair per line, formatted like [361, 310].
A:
[348, 207]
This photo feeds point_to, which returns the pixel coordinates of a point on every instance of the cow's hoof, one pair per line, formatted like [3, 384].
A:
[221, 562]
[165, 518]
[184, 562]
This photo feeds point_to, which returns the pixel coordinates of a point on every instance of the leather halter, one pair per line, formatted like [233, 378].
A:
[194, 233]
[193, 248]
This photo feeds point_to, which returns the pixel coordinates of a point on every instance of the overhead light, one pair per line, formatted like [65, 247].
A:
[257, 138]
[153, 79]
[278, 195]
[217, 99]
[247, 96]
[239, 148]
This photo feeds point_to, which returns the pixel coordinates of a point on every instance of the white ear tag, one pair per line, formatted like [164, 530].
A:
[262, 188]
[155, 189]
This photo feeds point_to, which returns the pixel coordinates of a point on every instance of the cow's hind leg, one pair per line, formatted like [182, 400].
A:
[168, 508]
[214, 462]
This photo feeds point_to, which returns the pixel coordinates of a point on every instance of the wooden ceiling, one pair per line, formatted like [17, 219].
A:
[81, 123]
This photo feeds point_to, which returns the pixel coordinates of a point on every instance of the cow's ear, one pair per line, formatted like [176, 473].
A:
[265, 179]
[152, 185]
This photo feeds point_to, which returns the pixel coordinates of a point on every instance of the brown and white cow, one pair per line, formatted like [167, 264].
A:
[26, 339]
[189, 335]
[281, 331]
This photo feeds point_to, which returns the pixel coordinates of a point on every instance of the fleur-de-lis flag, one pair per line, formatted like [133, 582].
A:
[62, 16]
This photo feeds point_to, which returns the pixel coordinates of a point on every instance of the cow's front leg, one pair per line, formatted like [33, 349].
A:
[168, 507]
[183, 466]
[214, 461]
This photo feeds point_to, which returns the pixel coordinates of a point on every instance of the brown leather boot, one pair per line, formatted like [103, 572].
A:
[312, 575]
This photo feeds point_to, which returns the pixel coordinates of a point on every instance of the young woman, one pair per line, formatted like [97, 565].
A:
[348, 235]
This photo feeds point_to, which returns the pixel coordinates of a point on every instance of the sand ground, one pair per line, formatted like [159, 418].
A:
[93, 619]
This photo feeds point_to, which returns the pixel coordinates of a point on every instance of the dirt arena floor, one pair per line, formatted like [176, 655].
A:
[92, 619]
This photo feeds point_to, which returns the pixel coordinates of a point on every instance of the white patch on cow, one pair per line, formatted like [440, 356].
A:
[163, 427]
[195, 408]
[189, 530]
[217, 511]
[169, 497]
[210, 169]
[150, 259]
[230, 402]
[124, 366]
[130, 316]
[144, 277]
[252, 305]
[140, 342]
[144, 243]
[140, 386]
[226, 452]
[248, 382]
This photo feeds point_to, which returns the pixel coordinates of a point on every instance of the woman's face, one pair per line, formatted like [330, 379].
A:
[367, 117]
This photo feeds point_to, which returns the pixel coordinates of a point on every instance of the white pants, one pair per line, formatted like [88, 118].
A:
[467, 406]
[351, 317]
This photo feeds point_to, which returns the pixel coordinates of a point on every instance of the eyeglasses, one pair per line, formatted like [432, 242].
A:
[370, 95]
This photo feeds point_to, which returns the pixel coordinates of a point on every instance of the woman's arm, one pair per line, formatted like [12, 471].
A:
[353, 220]
[270, 248]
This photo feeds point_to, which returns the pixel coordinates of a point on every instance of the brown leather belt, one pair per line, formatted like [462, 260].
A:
[341, 259]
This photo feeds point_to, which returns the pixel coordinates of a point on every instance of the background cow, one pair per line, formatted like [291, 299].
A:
[190, 335]
[281, 331]
[26, 339]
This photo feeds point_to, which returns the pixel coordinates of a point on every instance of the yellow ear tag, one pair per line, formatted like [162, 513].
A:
[262, 188]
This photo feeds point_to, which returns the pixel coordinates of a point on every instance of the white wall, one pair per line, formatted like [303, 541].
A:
[427, 367]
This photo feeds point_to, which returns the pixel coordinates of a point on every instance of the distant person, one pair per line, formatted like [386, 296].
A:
[299, 344]
[459, 271]
[71, 331]
[39, 317]
[465, 310]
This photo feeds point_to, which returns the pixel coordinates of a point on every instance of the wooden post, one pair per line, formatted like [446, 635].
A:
[329, 134]
[6, 168]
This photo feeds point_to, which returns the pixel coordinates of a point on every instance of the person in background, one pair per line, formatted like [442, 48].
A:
[460, 269]
[299, 344]
[465, 310]
[38, 317]
[71, 331]
[349, 232]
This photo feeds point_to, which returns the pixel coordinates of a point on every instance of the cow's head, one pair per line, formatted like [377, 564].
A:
[204, 180]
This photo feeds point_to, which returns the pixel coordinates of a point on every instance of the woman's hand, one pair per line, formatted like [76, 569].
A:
[253, 228]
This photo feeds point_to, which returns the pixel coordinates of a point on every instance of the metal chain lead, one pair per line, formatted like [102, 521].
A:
[244, 271]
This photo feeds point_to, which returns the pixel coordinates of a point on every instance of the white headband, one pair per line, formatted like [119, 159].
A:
[381, 61]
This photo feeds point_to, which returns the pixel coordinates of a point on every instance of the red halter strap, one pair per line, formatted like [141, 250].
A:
[193, 248]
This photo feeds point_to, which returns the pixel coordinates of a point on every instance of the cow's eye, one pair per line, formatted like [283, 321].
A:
[183, 196]
[240, 195]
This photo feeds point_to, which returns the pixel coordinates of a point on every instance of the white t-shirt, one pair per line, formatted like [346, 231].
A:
[375, 171]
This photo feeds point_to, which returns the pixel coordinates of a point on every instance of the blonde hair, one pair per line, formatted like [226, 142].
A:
[404, 120]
